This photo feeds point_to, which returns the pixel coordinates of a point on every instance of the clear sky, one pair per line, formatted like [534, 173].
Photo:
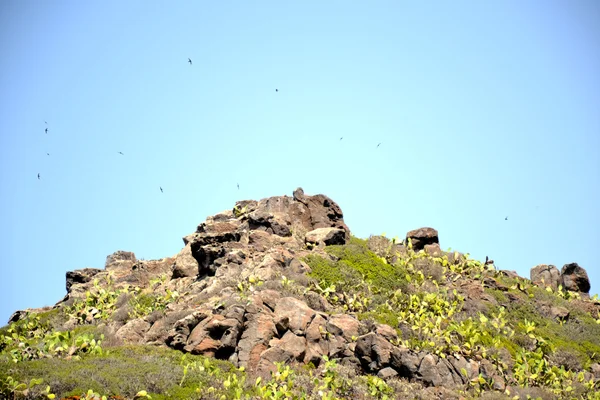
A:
[484, 110]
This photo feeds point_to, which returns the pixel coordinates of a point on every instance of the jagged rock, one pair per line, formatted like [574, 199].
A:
[80, 276]
[259, 330]
[322, 212]
[120, 260]
[405, 361]
[268, 358]
[292, 314]
[328, 236]
[317, 302]
[545, 276]
[133, 331]
[178, 335]
[575, 278]
[421, 237]
[270, 223]
[387, 373]
[206, 257]
[373, 351]
[185, 264]
[436, 371]
[293, 344]
[343, 325]
[386, 331]
[260, 241]
[316, 346]
[459, 363]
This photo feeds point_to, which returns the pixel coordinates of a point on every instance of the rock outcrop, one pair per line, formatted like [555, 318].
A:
[233, 305]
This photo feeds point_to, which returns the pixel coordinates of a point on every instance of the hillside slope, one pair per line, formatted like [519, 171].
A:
[276, 299]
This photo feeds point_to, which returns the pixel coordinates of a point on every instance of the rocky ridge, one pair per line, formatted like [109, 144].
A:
[239, 291]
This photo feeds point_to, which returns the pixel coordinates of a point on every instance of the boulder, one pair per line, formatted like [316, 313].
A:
[84, 275]
[120, 260]
[421, 237]
[545, 276]
[575, 278]
[327, 236]
[133, 331]
[185, 264]
[373, 351]
[343, 325]
[292, 314]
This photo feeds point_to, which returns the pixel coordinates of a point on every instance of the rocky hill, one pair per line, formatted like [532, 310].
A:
[276, 299]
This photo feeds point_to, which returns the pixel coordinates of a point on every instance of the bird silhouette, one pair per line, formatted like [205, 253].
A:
[277, 90]
[161, 190]
[46, 122]
[506, 219]
[121, 153]
[47, 154]
[46, 130]
[341, 138]
[378, 145]
[238, 186]
[38, 176]
[190, 61]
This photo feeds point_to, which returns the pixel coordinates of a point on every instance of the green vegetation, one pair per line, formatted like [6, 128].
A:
[423, 293]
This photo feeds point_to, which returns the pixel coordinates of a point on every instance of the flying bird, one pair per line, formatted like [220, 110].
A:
[190, 61]
[46, 130]
[341, 138]
[277, 90]
[47, 154]
[161, 190]
[378, 145]
[506, 219]
[238, 186]
[38, 176]
[121, 153]
[46, 122]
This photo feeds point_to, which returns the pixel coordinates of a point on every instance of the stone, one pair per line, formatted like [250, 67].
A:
[421, 237]
[185, 264]
[387, 373]
[575, 278]
[343, 325]
[133, 331]
[327, 236]
[293, 314]
[545, 276]
[79, 276]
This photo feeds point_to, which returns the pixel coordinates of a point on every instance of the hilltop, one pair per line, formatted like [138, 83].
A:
[277, 299]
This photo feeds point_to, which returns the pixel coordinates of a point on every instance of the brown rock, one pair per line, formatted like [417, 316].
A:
[387, 373]
[80, 276]
[327, 236]
[293, 344]
[373, 351]
[421, 237]
[133, 331]
[207, 347]
[575, 278]
[343, 325]
[292, 314]
[185, 264]
[436, 371]
[259, 330]
[545, 276]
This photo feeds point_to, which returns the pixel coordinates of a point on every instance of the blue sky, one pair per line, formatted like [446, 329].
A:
[483, 110]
